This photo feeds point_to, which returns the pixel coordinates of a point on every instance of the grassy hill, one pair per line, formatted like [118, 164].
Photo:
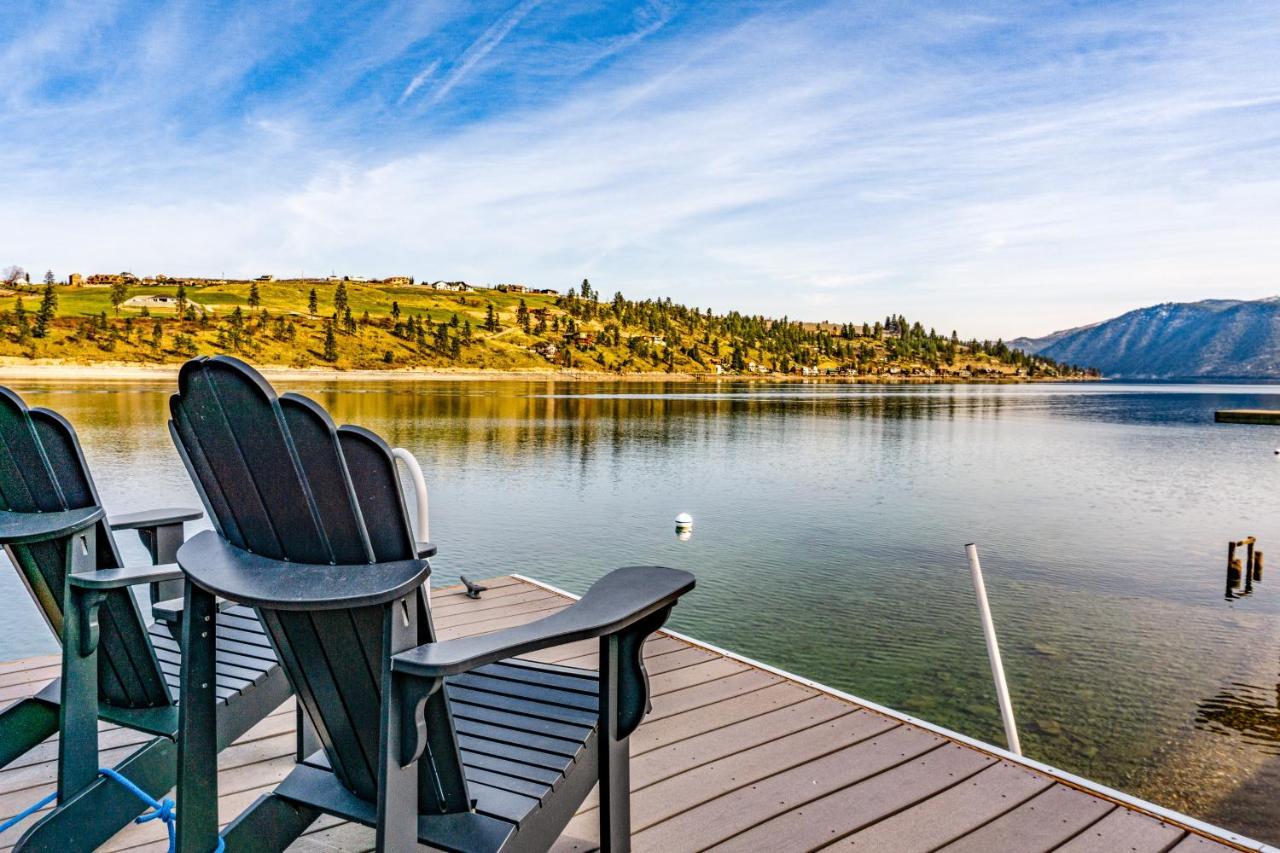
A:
[373, 326]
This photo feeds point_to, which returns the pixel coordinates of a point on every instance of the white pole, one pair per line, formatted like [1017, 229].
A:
[993, 651]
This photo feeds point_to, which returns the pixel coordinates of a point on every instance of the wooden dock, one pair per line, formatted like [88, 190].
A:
[735, 756]
[1247, 416]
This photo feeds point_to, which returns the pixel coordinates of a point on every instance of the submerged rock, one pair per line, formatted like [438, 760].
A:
[1048, 726]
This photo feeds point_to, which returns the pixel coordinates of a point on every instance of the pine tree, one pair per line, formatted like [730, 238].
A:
[49, 277]
[182, 301]
[395, 311]
[330, 341]
[157, 334]
[313, 306]
[491, 320]
[255, 298]
[340, 298]
[522, 316]
[20, 317]
[48, 304]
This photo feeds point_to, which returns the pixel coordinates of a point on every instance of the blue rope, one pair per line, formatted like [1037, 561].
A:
[28, 812]
[165, 811]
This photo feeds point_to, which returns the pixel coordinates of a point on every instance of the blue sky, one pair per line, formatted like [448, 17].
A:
[998, 168]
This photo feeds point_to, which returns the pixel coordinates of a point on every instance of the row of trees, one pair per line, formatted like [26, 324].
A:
[653, 332]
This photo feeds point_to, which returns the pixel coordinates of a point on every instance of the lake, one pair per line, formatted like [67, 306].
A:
[830, 524]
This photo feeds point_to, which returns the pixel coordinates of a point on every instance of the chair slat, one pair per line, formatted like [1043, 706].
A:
[526, 707]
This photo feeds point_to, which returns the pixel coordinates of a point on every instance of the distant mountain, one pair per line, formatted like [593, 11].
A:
[1213, 339]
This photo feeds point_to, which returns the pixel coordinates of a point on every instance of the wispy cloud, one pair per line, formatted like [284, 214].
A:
[1009, 171]
[481, 48]
[418, 79]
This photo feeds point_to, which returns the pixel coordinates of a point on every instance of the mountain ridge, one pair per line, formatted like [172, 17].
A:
[1208, 339]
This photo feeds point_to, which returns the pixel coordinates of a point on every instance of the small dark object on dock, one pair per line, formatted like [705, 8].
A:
[473, 589]
[1247, 416]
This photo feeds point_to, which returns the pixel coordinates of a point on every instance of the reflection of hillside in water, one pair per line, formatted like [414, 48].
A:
[1250, 712]
[534, 420]
[538, 416]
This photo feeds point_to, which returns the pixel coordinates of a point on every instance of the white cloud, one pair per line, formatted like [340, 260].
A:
[822, 164]
[418, 79]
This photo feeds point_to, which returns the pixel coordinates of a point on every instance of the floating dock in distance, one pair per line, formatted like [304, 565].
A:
[1247, 416]
[736, 756]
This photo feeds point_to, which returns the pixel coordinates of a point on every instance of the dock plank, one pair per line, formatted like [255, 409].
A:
[1038, 825]
[1125, 831]
[814, 823]
[730, 818]
[733, 757]
[948, 816]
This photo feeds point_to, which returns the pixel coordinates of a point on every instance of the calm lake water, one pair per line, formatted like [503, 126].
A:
[829, 540]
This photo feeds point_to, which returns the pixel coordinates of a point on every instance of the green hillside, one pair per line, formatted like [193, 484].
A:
[362, 325]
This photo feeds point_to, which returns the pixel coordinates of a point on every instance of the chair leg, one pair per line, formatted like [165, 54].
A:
[23, 725]
[307, 741]
[397, 830]
[615, 766]
[197, 725]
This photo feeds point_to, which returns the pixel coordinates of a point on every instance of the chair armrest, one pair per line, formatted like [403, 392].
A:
[21, 528]
[425, 549]
[618, 600]
[104, 579]
[171, 610]
[153, 518]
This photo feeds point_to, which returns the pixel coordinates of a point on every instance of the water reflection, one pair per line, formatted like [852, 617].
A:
[1247, 711]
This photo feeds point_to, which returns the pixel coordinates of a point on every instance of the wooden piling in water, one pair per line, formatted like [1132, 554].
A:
[1248, 564]
[1233, 566]
[1257, 565]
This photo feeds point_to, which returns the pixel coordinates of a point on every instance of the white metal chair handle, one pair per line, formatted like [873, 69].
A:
[422, 530]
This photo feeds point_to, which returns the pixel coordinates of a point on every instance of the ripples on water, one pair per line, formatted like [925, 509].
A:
[830, 525]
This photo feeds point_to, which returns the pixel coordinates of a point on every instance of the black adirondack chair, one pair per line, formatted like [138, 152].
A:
[115, 667]
[457, 744]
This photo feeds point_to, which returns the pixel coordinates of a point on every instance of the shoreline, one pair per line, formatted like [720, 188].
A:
[23, 369]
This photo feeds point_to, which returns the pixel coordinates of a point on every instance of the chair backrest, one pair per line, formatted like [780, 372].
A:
[43, 470]
[280, 480]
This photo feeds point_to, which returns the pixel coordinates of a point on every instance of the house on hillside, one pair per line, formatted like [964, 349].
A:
[511, 288]
[398, 280]
[546, 291]
[546, 349]
[108, 279]
[161, 302]
[267, 277]
[75, 280]
[454, 286]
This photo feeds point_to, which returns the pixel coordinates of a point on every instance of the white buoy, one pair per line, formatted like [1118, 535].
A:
[684, 521]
